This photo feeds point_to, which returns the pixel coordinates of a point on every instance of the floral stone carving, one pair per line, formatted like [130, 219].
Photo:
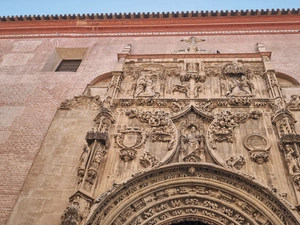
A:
[236, 162]
[71, 215]
[130, 139]
[148, 160]
[162, 126]
[258, 146]
[221, 129]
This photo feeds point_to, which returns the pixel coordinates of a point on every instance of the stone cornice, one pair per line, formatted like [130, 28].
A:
[227, 22]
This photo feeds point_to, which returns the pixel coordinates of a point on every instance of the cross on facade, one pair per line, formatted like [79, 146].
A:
[192, 40]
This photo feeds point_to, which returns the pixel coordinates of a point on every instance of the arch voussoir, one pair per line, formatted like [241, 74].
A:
[191, 192]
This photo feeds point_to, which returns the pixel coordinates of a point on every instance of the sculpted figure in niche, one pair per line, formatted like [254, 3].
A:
[192, 146]
[240, 87]
[294, 103]
[84, 157]
[192, 138]
[99, 154]
[144, 87]
[292, 160]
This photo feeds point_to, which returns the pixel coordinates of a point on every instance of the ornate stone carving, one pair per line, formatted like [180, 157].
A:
[292, 159]
[258, 145]
[182, 88]
[221, 129]
[192, 48]
[294, 104]
[162, 126]
[240, 101]
[130, 139]
[68, 103]
[240, 87]
[148, 160]
[145, 86]
[236, 162]
[83, 163]
[71, 215]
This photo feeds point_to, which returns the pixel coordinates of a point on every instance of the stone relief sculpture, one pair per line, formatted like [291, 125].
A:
[130, 139]
[144, 87]
[294, 104]
[148, 160]
[162, 129]
[236, 162]
[240, 87]
[292, 160]
[187, 130]
[192, 145]
[258, 145]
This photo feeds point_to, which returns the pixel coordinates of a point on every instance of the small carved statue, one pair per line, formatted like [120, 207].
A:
[294, 104]
[84, 157]
[292, 160]
[99, 154]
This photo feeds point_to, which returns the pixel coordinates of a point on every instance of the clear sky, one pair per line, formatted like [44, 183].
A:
[45, 7]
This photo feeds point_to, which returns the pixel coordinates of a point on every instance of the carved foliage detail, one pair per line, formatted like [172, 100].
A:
[148, 160]
[221, 129]
[162, 127]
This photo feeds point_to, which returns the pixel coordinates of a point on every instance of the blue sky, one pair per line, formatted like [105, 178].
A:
[38, 7]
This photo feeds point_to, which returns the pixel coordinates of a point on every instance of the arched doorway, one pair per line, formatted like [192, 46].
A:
[188, 193]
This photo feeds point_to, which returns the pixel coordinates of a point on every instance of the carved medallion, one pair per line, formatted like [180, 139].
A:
[258, 147]
[129, 139]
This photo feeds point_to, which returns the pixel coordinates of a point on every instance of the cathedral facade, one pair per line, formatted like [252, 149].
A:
[162, 118]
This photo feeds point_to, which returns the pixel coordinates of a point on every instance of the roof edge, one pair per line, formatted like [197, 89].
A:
[124, 16]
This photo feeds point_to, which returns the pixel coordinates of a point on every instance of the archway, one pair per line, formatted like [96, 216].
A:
[186, 193]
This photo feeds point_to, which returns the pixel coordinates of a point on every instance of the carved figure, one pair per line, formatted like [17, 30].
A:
[99, 154]
[84, 157]
[242, 87]
[144, 87]
[294, 104]
[292, 160]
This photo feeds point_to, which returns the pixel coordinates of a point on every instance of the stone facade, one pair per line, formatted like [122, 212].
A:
[157, 128]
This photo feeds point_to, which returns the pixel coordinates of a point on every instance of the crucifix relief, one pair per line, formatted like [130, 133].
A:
[192, 48]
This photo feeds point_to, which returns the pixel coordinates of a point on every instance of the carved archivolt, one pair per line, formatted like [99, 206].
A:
[192, 192]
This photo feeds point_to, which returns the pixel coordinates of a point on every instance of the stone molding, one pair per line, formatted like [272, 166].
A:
[179, 191]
